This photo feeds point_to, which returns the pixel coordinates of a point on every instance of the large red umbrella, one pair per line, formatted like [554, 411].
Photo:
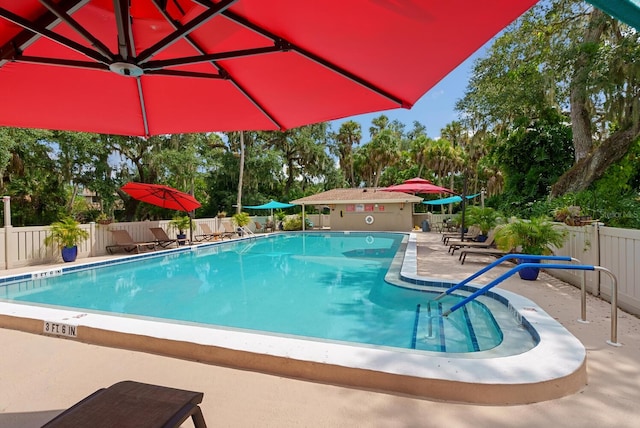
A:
[161, 196]
[417, 185]
[147, 67]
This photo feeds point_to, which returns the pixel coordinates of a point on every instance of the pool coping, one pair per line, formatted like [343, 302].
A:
[554, 368]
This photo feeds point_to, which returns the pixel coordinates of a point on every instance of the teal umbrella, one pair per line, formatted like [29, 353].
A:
[271, 205]
[449, 200]
[627, 11]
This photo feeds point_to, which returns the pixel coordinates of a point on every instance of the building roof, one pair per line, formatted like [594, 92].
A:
[355, 196]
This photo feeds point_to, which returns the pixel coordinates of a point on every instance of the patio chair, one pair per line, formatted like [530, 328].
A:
[209, 235]
[471, 235]
[489, 243]
[163, 240]
[464, 252]
[125, 242]
[259, 226]
[229, 231]
[130, 403]
[269, 226]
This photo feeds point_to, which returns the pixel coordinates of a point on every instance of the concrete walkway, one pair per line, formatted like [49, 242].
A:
[40, 376]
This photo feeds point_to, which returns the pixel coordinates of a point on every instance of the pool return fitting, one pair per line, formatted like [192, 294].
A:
[614, 287]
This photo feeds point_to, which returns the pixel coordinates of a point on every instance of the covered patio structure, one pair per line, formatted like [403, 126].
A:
[365, 209]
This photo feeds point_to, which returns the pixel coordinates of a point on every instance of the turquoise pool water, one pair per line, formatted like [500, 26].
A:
[327, 286]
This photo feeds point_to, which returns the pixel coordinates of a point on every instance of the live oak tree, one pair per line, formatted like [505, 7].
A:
[564, 54]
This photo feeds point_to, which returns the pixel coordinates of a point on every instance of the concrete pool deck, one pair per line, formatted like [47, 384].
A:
[42, 375]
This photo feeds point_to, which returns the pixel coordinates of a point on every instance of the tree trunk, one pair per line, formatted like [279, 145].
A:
[594, 165]
[241, 175]
[580, 115]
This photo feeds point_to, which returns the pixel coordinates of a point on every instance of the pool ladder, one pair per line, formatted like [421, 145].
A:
[510, 272]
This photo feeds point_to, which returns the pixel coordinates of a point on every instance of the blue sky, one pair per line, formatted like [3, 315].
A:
[434, 110]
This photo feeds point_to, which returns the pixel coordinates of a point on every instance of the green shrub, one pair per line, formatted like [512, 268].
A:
[241, 219]
[485, 218]
[535, 236]
[66, 233]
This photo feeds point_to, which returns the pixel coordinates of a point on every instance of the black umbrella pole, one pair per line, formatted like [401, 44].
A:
[464, 205]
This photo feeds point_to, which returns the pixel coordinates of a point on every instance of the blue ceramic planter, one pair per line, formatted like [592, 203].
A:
[529, 274]
[69, 254]
[182, 238]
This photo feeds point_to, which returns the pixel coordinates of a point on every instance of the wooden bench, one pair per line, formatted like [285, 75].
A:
[133, 404]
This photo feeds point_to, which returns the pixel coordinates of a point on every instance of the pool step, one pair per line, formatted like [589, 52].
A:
[462, 331]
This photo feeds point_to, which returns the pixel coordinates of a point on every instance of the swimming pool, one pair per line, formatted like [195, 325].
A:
[359, 260]
[328, 286]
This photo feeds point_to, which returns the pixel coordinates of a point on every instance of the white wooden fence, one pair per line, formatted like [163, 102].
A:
[24, 246]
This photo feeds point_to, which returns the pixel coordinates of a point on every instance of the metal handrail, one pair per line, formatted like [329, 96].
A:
[499, 261]
[483, 290]
[583, 290]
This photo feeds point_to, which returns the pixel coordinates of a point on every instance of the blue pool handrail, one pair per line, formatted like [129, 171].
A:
[499, 261]
[510, 272]
[507, 274]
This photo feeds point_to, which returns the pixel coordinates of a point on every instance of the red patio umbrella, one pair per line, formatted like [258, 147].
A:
[417, 185]
[147, 67]
[161, 196]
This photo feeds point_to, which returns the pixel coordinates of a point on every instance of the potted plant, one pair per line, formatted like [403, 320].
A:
[567, 214]
[537, 236]
[66, 234]
[241, 220]
[103, 219]
[485, 218]
[280, 217]
[181, 223]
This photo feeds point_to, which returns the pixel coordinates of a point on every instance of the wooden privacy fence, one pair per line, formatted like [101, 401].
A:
[24, 246]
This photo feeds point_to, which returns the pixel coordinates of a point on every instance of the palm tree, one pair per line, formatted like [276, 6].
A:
[383, 151]
[349, 135]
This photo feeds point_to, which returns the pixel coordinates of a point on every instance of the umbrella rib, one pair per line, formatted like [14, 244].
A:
[182, 31]
[45, 32]
[321, 61]
[198, 59]
[253, 101]
[178, 73]
[25, 38]
[354, 78]
[223, 73]
[60, 62]
[162, 10]
[143, 107]
[123, 24]
[64, 16]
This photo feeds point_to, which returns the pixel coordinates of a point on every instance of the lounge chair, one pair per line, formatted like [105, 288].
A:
[489, 243]
[136, 404]
[125, 242]
[471, 235]
[464, 252]
[209, 235]
[162, 239]
[229, 232]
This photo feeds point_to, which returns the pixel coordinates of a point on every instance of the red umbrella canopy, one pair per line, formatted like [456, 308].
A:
[161, 196]
[148, 67]
[417, 180]
[417, 185]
